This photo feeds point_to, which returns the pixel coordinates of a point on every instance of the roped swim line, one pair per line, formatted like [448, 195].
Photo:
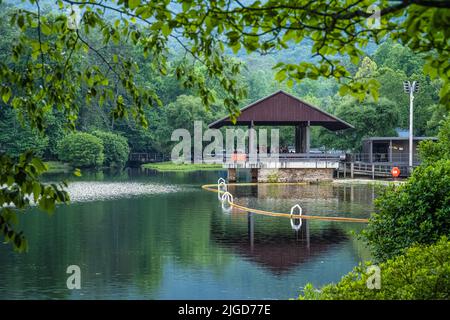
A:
[227, 199]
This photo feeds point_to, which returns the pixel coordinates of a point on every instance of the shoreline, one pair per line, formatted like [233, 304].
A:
[368, 181]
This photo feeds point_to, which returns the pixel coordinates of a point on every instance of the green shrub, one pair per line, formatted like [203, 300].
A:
[417, 211]
[116, 148]
[81, 150]
[432, 151]
[421, 273]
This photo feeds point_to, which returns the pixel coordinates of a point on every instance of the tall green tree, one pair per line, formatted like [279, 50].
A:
[17, 138]
[369, 118]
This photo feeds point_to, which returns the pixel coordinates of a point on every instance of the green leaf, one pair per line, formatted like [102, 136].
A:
[186, 5]
[45, 28]
[134, 3]
[290, 83]
[36, 190]
[21, 21]
[77, 172]
[165, 30]
[280, 75]
[344, 90]
[39, 165]
[6, 94]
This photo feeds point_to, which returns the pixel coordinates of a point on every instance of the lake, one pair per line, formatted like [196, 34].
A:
[140, 234]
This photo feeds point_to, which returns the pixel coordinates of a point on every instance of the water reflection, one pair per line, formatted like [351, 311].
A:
[181, 245]
[280, 249]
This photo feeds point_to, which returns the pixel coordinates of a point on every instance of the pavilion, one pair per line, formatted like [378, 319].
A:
[284, 109]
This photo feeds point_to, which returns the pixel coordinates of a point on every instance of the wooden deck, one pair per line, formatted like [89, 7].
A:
[138, 158]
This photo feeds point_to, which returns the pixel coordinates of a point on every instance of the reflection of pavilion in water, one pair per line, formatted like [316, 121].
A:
[280, 249]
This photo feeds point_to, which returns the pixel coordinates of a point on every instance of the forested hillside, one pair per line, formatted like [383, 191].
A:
[390, 63]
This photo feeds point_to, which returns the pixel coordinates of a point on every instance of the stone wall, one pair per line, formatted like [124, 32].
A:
[295, 175]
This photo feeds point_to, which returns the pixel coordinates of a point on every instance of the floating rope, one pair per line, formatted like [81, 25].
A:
[232, 204]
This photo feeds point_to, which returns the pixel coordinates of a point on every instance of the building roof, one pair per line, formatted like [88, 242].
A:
[397, 138]
[283, 109]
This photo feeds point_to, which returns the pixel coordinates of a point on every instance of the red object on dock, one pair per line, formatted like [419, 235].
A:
[239, 157]
[395, 172]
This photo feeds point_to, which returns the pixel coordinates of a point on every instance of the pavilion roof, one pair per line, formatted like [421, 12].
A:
[283, 109]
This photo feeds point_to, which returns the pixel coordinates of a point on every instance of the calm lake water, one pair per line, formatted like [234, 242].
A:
[148, 235]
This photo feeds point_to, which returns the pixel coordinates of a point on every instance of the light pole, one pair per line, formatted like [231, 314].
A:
[411, 88]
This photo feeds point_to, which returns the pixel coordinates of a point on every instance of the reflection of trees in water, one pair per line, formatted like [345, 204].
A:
[126, 244]
[117, 244]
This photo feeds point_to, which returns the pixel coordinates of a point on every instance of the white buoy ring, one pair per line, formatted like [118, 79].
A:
[221, 188]
[227, 198]
[294, 226]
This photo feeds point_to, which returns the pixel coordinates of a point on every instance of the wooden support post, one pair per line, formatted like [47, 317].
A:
[345, 170]
[231, 174]
[308, 138]
[352, 166]
[252, 145]
[302, 138]
[254, 174]
[307, 233]
[390, 150]
[373, 171]
[251, 229]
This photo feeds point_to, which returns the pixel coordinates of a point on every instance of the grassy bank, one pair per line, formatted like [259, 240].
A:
[169, 166]
[57, 166]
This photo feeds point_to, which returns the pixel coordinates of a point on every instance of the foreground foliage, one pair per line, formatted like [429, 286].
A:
[408, 217]
[423, 272]
[416, 211]
[20, 187]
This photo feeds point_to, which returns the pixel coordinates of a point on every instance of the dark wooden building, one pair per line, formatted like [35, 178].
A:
[393, 150]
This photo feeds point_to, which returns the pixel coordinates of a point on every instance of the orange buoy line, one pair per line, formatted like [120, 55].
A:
[213, 188]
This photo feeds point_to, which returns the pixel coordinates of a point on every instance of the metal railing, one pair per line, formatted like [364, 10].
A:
[277, 157]
[144, 157]
[351, 169]
[398, 158]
